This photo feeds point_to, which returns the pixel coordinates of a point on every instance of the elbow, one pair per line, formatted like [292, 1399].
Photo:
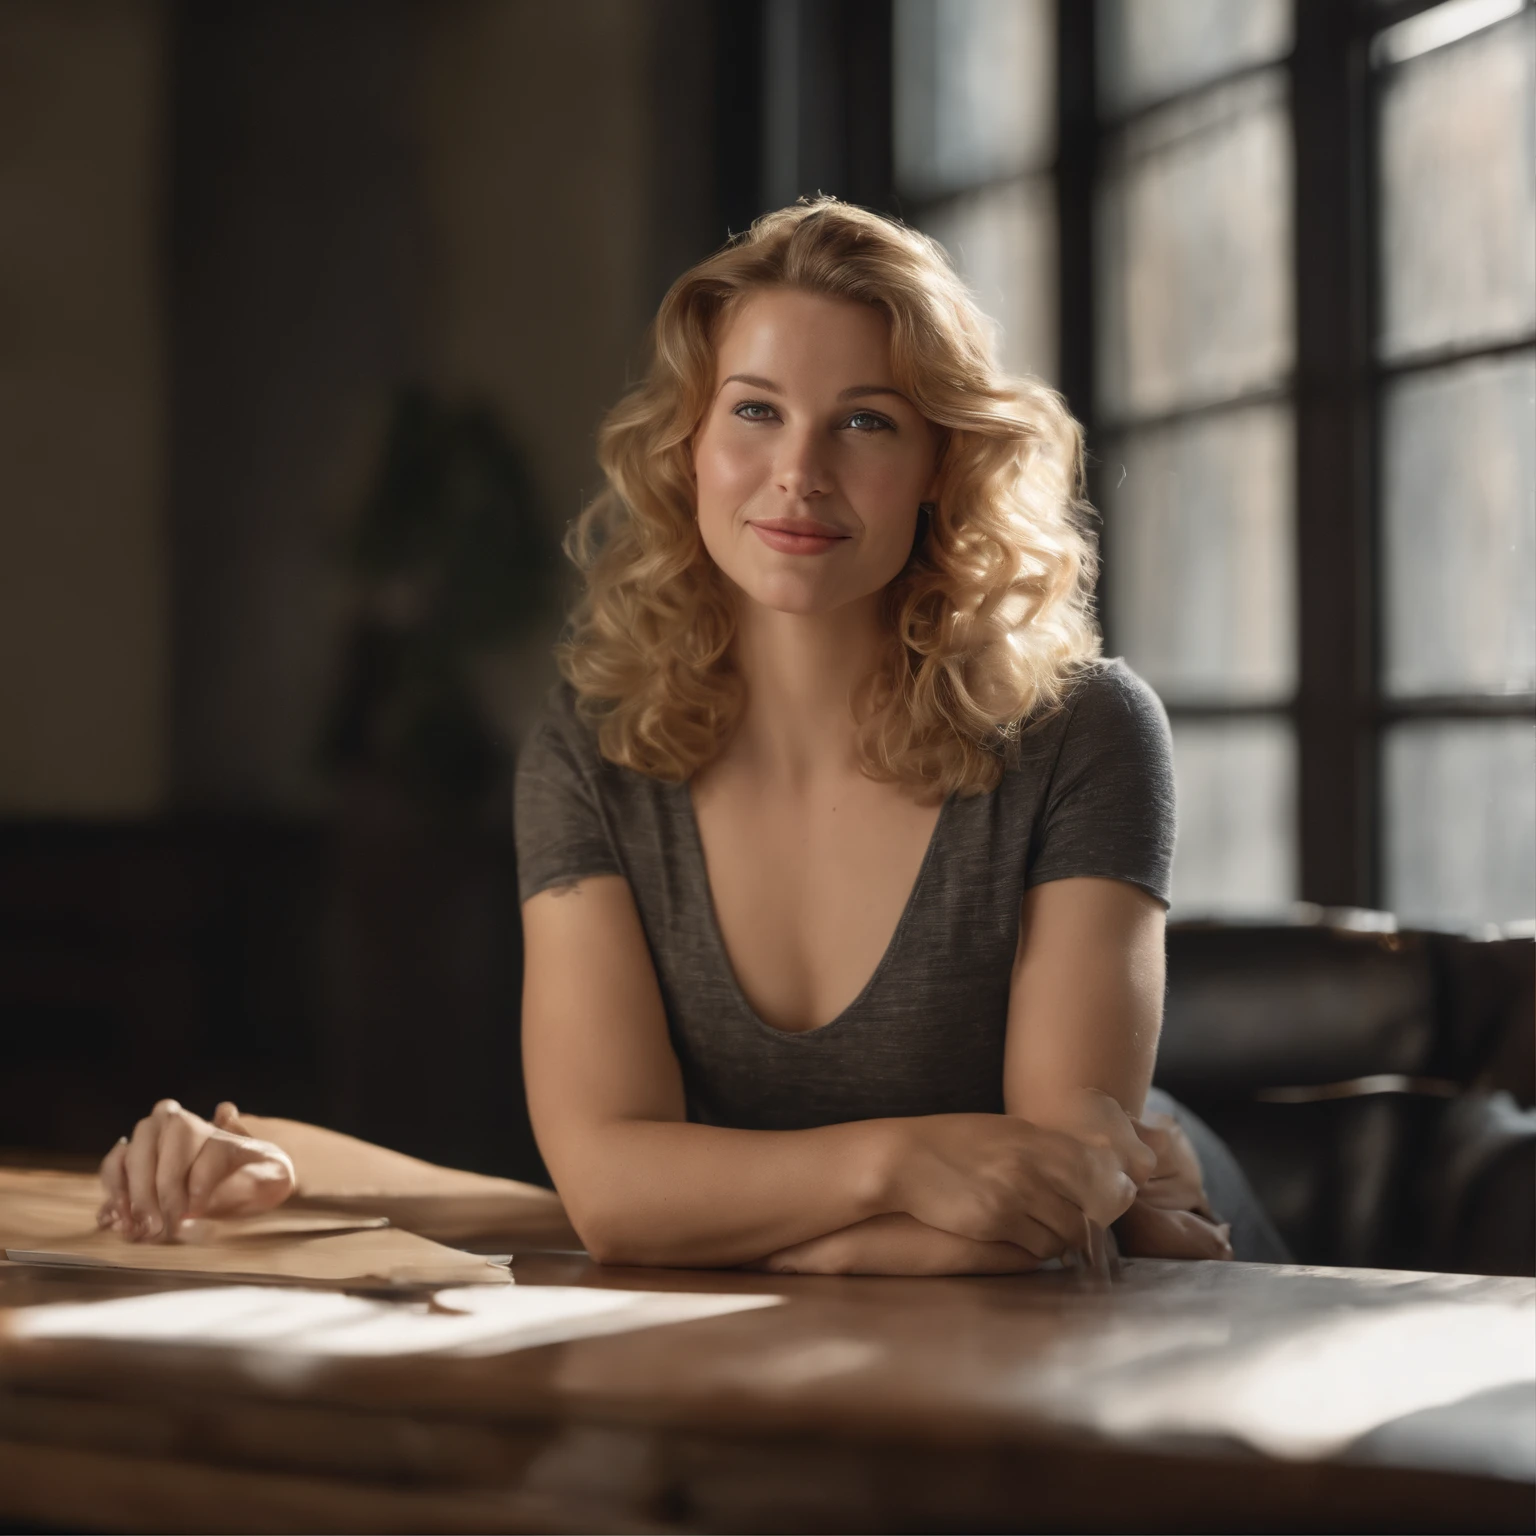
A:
[608, 1238]
[629, 1238]
[605, 1243]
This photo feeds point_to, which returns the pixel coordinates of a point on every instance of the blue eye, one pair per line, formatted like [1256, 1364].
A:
[748, 411]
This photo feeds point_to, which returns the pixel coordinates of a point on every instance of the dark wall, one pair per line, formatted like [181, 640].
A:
[294, 288]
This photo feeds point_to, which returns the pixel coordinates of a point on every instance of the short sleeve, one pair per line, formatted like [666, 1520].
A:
[1109, 810]
[558, 819]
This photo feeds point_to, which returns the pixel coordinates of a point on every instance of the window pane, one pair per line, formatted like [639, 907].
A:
[1194, 244]
[1237, 816]
[1458, 192]
[975, 91]
[1151, 49]
[1461, 822]
[1200, 558]
[1459, 528]
[1003, 240]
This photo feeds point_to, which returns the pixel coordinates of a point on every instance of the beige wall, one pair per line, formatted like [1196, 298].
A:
[537, 172]
[535, 164]
[83, 561]
[528, 192]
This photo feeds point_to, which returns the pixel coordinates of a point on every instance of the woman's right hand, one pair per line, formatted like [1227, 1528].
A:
[998, 1178]
[176, 1165]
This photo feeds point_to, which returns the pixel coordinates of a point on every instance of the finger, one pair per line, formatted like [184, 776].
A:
[1040, 1239]
[1160, 1234]
[1194, 1237]
[114, 1184]
[218, 1157]
[227, 1118]
[238, 1176]
[1051, 1226]
[1092, 1179]
[181, 1138]
[256, 1186]
[1158, 1140]
[144, 1219]
[1173, 1194]
[1138, 1160]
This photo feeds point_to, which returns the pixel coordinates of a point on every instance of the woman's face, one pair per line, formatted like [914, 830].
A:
[810, 462]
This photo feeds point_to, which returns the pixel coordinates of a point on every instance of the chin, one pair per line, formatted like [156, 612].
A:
[786, 585]
[788, 594]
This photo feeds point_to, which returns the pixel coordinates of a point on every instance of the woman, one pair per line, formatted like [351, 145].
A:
[843, 858]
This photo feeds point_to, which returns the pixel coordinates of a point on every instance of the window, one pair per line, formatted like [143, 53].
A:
[1454, 353]
[975, 141]
[1306, 357]
[1195, 425]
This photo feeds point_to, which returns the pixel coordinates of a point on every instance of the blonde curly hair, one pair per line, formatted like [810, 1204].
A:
[988, 622]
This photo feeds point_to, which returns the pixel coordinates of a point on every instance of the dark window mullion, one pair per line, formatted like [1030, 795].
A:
[1189, 709]
[1077, 154]
[1336, 755]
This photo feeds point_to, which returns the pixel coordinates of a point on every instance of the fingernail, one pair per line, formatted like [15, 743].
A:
[155, 1226]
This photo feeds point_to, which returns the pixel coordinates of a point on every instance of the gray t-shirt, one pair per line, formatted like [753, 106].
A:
[1088, 791]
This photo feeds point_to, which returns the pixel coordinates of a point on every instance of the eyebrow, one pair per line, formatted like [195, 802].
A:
[854, 392]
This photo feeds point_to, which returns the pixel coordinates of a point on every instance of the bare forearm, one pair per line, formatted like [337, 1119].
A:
[675, 1193]
[331, 1164]
[898, 1244]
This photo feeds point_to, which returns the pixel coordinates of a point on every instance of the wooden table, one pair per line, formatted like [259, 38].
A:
[1042, 1402]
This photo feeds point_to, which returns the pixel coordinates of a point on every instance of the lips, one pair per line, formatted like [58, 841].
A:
[798, 536]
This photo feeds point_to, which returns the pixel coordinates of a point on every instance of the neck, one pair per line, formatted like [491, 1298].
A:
[801, 672]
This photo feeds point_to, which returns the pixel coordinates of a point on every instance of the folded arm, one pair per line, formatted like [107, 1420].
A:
[1084, 1011]
[642, 1185]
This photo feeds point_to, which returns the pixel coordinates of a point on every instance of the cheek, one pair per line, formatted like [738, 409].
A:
[887, 491]
[726, 474]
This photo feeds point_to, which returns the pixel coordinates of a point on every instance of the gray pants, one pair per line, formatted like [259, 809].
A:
[1254, 1238]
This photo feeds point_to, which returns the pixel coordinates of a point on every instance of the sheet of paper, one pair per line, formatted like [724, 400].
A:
[380, 1256]
[329, 1324]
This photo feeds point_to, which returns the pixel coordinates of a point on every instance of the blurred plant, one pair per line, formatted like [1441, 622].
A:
[453, 561]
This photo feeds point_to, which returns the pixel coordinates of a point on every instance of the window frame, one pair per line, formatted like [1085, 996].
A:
[1341, 711]
[1384, 709]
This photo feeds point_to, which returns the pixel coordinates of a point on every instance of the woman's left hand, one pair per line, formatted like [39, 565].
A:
[1172, 1218]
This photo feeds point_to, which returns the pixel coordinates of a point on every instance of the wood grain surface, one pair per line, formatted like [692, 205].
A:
[1050, 1401]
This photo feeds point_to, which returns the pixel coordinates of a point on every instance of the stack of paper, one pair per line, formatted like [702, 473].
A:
[50, 1218]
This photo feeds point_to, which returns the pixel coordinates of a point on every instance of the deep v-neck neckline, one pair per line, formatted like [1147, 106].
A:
[716, 935]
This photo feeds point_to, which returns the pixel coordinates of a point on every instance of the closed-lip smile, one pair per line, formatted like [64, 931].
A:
[804, 527]
[802, 536]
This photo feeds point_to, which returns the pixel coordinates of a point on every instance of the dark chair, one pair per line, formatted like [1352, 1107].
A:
[1376, 1085]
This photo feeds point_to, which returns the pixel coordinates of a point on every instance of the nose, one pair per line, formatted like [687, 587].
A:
[800, 468]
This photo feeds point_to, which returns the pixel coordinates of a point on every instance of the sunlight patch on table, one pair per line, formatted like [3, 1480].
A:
[1314, 1390]
[463, 1321]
